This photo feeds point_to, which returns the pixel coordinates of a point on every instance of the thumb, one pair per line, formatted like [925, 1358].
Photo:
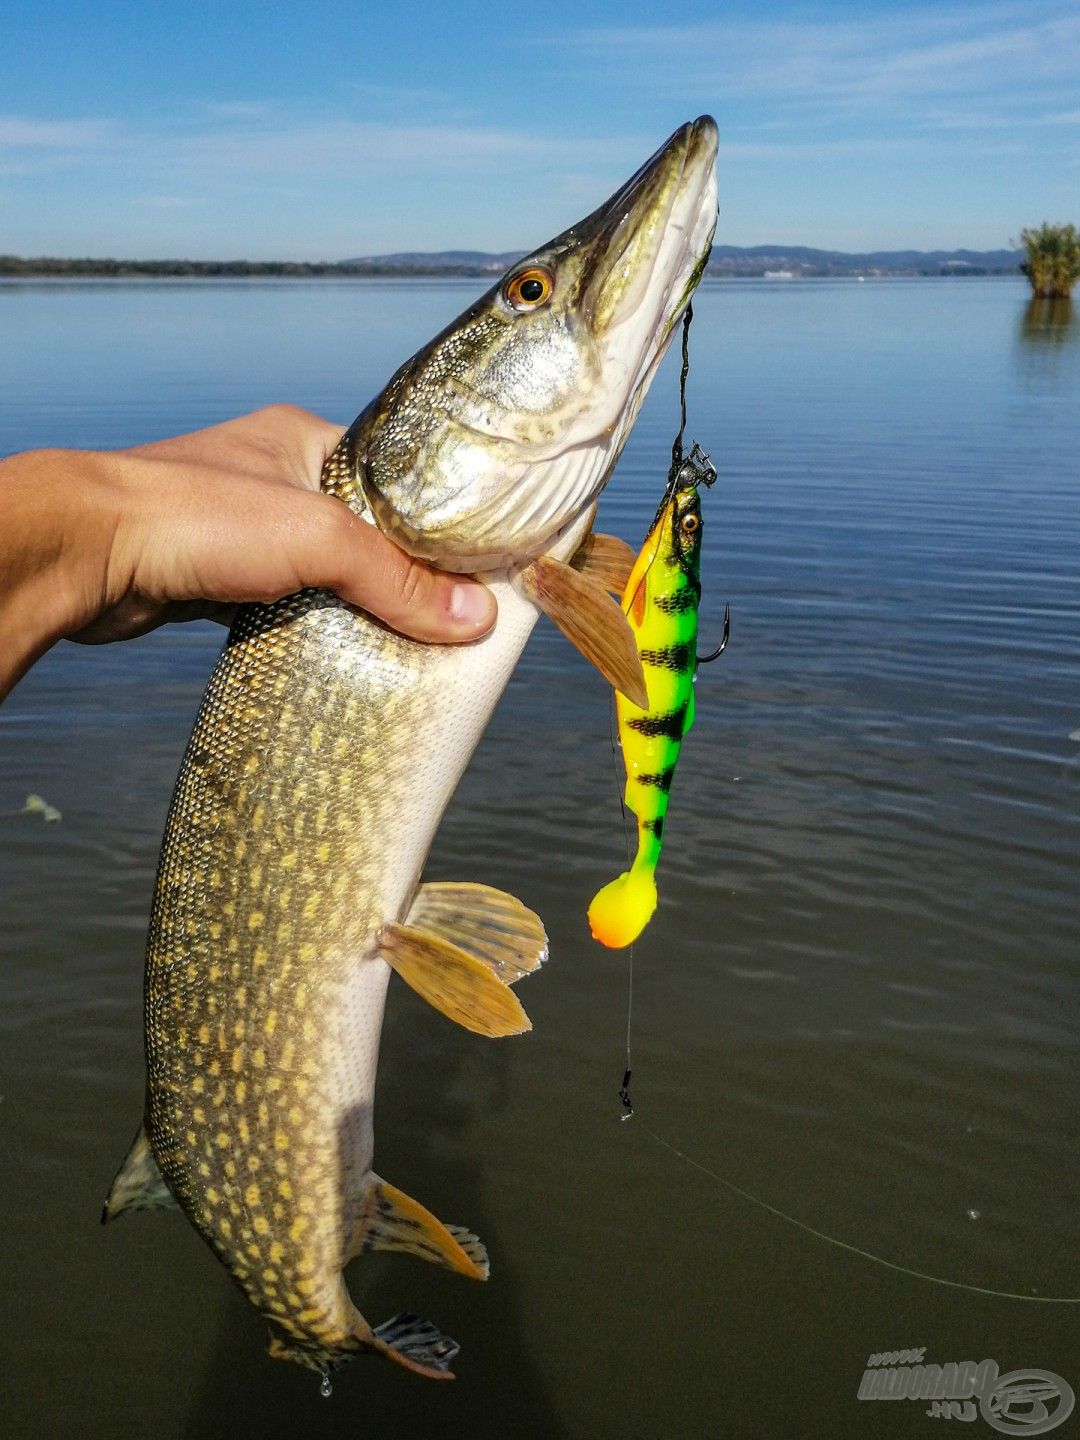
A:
[366, 569]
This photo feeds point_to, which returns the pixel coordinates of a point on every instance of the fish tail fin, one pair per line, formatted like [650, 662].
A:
[622, 909]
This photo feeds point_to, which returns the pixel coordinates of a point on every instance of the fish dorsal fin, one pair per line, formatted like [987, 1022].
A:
[490, 924]
[590, 620]
[463, 987]
[606, 559]
[138, 1184]
[392, 1220]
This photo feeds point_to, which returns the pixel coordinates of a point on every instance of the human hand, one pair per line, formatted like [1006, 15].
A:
[100, 546]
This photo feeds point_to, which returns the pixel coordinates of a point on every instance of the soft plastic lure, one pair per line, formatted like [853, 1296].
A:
[661, 603]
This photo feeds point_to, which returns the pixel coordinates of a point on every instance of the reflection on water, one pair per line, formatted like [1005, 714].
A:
[859, 997]
[1049, 321]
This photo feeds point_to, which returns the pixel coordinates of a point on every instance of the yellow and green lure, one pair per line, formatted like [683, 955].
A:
[661, 603]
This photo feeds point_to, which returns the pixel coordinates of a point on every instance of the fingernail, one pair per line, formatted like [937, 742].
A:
[471, 605]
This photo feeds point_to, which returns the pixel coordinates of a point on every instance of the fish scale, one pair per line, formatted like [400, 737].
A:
[325, 750]
[262, 987]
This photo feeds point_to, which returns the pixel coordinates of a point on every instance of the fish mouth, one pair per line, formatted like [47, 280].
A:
[648, 240]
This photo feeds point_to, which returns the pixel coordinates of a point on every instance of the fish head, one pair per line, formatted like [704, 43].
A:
[500, 434]
[679, 521]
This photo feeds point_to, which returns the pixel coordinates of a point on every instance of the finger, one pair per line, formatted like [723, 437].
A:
[279, 441]
[367, 570]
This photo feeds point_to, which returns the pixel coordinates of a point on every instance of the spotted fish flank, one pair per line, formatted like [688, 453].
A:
[661, 602]
[326, 748]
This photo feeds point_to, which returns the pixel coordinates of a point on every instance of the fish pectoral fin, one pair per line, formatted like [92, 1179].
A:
[605, 559]
[138, 1184]
[392, 1220]
[590, 620]
[490, 924]
[462, 986]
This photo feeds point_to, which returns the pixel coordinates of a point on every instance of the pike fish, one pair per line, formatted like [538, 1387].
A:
[327, 747]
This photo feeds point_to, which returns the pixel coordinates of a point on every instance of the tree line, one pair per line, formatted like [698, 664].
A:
[16, 265]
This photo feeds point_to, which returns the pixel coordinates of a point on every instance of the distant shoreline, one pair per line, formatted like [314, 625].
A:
[728, 262]
[14, 268]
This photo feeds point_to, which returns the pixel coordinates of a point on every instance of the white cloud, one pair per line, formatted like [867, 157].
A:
[348, 147]
[236, 109]
[169, 202]
[23, 132]
[267, 145]
[1014, 54]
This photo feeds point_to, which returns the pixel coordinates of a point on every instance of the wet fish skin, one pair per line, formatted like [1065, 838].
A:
[324, 752]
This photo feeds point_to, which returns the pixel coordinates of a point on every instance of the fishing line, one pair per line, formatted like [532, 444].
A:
[676, 449]
[675, 470]
[624, 1088]
[845, 1245]
[706, 473]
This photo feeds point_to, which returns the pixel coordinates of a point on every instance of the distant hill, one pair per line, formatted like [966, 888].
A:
[801, 260]
[727, 260]
[736, 260]
[441, 262]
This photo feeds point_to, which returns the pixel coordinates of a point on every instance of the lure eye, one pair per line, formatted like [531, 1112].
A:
[530, 289]
[690, 524]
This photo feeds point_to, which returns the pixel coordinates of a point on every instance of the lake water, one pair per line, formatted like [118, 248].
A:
[859, 1000]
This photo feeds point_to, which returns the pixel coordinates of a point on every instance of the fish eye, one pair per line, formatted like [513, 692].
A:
[690, 524]
[529, 289]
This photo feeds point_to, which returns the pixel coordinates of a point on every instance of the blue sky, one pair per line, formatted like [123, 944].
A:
[320, 131]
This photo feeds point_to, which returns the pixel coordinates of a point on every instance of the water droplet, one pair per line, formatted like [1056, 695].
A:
[974, 1214]
[326, 1389]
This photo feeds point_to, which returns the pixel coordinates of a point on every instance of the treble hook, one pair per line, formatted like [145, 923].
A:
[708, 659]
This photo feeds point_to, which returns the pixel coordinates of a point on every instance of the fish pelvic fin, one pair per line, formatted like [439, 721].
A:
[622, 909]
[458, 984]
[392, 1220]
[139, 1184]
[605, 559]
[461, 947]
[591, 620]
[490, 924]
